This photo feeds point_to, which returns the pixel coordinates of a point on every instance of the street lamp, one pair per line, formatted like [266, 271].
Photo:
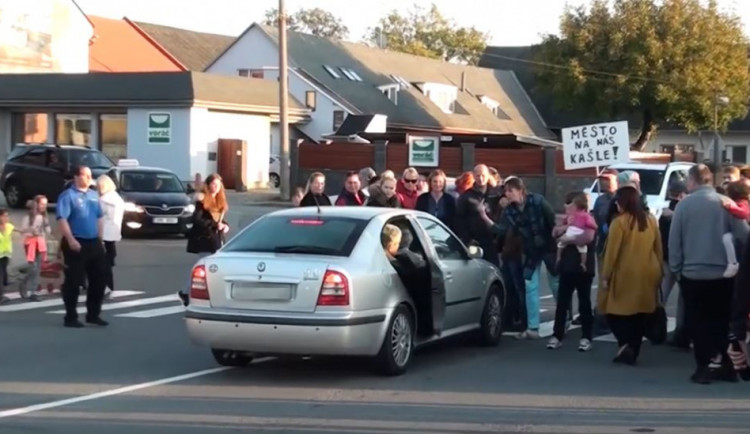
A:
[720, 101]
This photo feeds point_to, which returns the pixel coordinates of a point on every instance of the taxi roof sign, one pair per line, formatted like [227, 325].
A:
[128, 162]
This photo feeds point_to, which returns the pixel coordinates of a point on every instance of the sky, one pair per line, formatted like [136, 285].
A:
[508, 22]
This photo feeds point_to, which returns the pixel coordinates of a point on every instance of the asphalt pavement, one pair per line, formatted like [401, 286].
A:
[141, 374]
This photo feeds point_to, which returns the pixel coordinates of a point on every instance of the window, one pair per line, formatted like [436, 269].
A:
[446, 245]
[313, 235]
[251, 73]
[739, 154]
[400, 80]
[651, 181]
[35, 157]
[332, 71]
[446, 100]
[355, 75]
[88, 158]
[348, 74]
[311, 99]
[338, 119]
[114, 136]
[30, 128]
[73, 129]
[150, 182]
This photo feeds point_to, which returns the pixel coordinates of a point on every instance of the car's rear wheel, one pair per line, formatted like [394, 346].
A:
[231, 358]
[398, 344]
[14, 195]
[491, 331]
[274, 179]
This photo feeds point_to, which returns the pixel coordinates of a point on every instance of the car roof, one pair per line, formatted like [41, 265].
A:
[358, 212]
[649, 166]
[142, 169]
[51, 145]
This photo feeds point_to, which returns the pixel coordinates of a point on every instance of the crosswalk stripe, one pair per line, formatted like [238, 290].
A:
[58, 302]
[151, 313]
[127, 304]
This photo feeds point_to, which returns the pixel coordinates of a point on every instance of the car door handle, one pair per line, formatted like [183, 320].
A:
[448, 276]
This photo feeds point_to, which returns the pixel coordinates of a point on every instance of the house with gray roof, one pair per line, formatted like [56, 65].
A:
[337, 79]
[668, 138]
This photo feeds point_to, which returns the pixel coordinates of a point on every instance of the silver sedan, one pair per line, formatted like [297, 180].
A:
[310, 281]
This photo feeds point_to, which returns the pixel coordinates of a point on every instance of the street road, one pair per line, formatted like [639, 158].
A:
[141, 374]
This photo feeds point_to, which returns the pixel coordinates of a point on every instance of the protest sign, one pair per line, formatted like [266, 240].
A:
[596, 145]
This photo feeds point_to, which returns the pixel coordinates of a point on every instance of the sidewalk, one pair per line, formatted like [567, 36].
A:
[269, 197]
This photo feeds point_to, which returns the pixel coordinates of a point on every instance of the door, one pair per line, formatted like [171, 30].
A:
[462, 285]
[231, 163]
[58, 173]
[39, 176]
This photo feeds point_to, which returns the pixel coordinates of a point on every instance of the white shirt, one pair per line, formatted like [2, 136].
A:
[113, 208]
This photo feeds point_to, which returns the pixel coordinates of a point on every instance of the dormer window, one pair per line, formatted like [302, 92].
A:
[391, 91]
[494, 106]
[443, 95]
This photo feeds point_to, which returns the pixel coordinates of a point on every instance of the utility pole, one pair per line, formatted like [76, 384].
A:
[719, 101]
[283, 105]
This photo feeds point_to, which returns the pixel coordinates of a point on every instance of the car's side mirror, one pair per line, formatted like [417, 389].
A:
[189, 189]
[476, 252]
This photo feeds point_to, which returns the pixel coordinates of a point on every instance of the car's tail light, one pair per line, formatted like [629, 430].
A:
[198, 283]
[335, 290]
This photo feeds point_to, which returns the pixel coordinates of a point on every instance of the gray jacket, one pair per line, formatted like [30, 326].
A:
[696, 249]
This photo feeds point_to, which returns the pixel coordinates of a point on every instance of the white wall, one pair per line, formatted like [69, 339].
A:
[63, 28]
[256, 51]
[175, 156]
[209, 126]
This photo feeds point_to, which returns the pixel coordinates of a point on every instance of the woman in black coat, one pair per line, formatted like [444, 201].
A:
[436, 201]
[315, 195]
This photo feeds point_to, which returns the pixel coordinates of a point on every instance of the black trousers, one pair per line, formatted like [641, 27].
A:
[629, 329]
[581, 284]
[3, 274]
[110, 253]
[89, 263]
[707, 311]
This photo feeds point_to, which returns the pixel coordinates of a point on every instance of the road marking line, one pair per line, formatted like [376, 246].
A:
[58, 302]
[127, 304]
[151, 313]
[106, 393]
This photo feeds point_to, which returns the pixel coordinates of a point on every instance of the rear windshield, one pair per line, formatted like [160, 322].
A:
[332, 236]
[651, 181]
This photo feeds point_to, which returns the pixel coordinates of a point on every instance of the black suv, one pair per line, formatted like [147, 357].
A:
[45, 169]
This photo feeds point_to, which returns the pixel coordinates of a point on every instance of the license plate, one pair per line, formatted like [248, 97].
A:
[165, 220]
[260, 292]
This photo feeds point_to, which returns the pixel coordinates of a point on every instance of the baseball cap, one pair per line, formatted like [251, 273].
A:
[628, 178]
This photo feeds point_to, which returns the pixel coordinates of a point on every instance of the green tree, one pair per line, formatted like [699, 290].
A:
[428, 33]
[666, 60]
[315, 21]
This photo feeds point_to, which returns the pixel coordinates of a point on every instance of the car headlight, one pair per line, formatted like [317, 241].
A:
[131, 207]
[189, 209]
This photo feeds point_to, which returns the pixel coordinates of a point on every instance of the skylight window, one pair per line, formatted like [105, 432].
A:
[350, 74]
[356, 76]
[332, 71]
[400, 80]
[347, 73]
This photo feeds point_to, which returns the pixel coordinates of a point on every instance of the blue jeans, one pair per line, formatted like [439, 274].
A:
[532, 290]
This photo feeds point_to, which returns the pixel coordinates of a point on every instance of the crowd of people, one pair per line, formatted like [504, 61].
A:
[699, 245]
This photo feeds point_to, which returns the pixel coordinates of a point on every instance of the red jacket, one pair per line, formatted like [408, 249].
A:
[408, 198]
[740, 209]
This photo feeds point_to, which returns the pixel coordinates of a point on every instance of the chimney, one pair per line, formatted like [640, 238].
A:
[463, 81]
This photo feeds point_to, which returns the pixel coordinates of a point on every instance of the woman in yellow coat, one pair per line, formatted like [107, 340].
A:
[631, 274]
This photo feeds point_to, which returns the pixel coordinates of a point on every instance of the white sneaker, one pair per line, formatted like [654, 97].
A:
[107, 292]
[554, 343]
[584, 345]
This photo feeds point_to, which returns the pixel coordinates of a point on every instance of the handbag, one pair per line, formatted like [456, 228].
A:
[656, 323]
